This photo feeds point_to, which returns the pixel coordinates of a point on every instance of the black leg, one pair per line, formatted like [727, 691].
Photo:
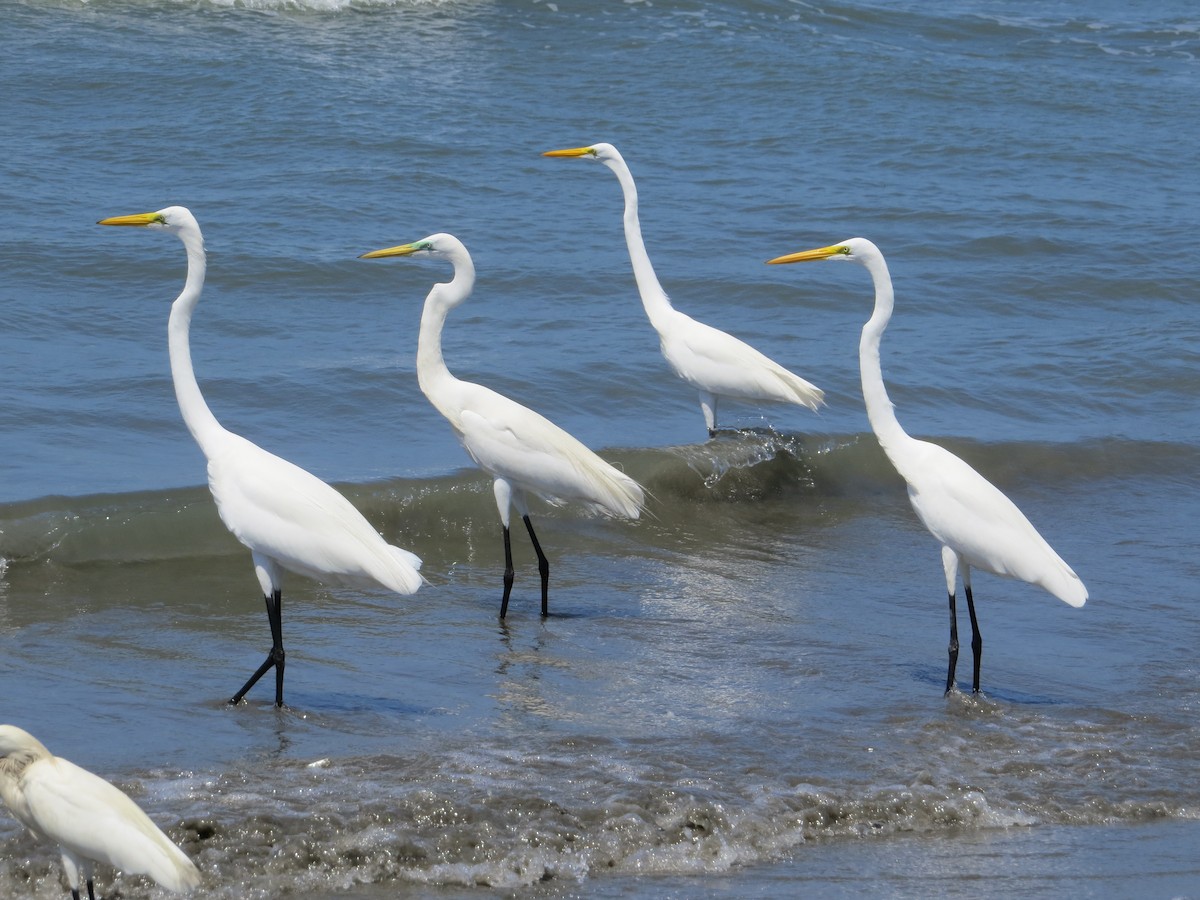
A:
[508, 572]
[976, 639]
[953, 649]
[276, 658]
[74, 894]
[277, 644]
[543, 567]
[91, 890]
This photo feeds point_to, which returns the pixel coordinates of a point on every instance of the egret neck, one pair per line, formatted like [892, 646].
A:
[196, 415]
[433, 376]
[880, 411]
[654, 298]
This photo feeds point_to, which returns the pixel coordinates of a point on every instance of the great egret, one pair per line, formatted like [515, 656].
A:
[715, 363]
[524, 452]
[976, 524]
[89, 819]
[289, 518]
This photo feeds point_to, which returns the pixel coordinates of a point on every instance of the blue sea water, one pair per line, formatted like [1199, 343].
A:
[740, 694]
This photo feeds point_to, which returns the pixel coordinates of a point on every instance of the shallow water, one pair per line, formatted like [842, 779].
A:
[741, 693]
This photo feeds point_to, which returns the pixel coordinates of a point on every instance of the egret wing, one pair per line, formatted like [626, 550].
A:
[85, 814]
[512, 441]
[287, 513]
[965, 511]
[716, 361]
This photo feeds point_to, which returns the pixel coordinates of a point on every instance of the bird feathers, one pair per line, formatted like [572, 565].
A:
[712, 360]
[510, 441]
[969, 514]
[94, 819]
[85, 815]
[287, 514]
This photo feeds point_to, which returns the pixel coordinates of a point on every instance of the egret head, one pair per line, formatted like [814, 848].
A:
[435, 245]
[855, 249]
[444, 296]
[16, 742]
[601, 152]
[172, 218]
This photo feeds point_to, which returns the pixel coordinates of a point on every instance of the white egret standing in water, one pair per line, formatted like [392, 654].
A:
[976, 524]
[289, 518]
[90, 819]
[524, 452]
[715, 363]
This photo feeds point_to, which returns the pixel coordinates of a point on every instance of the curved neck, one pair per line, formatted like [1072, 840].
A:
[654, 298]
[432, 371]
[196, 415]
[880, 411]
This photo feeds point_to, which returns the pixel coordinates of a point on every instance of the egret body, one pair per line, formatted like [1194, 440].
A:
[289, 518]
[524, 452]
[715, 363]
[90, 820]
[977, 525]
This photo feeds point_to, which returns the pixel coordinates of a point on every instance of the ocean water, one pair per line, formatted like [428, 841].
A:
[741, 693]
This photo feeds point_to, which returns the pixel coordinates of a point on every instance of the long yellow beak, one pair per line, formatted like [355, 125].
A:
[151, 218]
[806, 255]
[574, 151]
[401, 250]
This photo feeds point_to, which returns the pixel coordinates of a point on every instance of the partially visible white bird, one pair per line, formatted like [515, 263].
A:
[976, 524]
[524, 452]
[715, 363]
[289, 518]
[89, 819]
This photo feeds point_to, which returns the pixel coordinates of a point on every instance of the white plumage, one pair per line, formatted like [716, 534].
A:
[977, 525]
[524, 452]
[289, 518]
[90, 819]
[286, 514]
[715, 363]
[984, 528]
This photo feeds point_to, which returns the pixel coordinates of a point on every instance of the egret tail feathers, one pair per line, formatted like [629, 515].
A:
[404, 571]
[1067, 587]
[805, 393]
[616, 494]
[627, 497]
[175, 871]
